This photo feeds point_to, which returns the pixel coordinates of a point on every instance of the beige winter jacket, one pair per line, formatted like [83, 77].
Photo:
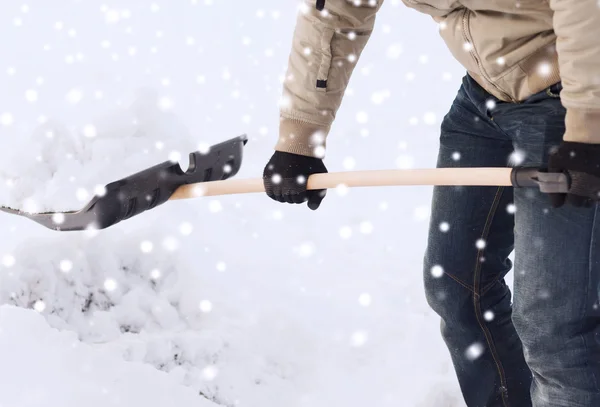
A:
[513, 48]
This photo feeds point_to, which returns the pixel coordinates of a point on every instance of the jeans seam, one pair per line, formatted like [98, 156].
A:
[491, 284]
[590, 271]
[459, 281]
[477, 298]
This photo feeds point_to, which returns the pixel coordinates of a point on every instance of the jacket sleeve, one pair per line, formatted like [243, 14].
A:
[328, 39]
[577, 26]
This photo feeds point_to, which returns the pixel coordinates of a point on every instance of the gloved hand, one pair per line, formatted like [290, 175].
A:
[581, 162]
[285, 177]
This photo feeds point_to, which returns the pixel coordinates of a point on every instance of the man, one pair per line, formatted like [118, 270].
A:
[533, 85]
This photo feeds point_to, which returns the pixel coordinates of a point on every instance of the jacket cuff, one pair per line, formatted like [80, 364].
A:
[582, 126]
[303, 138]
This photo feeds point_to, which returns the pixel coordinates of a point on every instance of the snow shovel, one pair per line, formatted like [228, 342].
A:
[208, 175]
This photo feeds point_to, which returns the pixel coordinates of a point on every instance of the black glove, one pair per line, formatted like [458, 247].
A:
[581, 163]
[285, 178]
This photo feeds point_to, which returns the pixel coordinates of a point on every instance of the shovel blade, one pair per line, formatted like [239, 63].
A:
[145, 190]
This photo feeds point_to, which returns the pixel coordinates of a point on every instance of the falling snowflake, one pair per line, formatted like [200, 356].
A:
[110, 284]
[276, 179]
[422, 213]
[90, 131]
[82, 194]
[362, 117]
[221, 266]
[66, 266]
[429, 118]
[359, 338]
[474, 351]
[342, 190]
[30, 206]
[209, 373]
[379, 97]
[544, 69]
[215, 206]
[489, 316]
[405, 162]
[366, 228]
[112, 16]
[31, 95]
[8, 260]
[39, 306]
[364, 299]
[206, 306]
[165, 103]
[480, 244]
[444, 227]
[174, 156]
[511, 208]
[74, 96]
[437, 271]
[146, 246]
[394, 51]
[100, 190]
[186, 228]
[306, 249]
[155, 274]
[319, 152]
[349, 163]
[58, 218]
[346, 232]
[517, 157]
[6, 119]
[170, 243]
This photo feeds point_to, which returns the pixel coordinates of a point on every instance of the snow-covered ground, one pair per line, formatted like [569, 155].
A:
[245, 301]
[41, 367]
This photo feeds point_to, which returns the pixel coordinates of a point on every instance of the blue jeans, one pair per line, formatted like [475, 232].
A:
[544, 348]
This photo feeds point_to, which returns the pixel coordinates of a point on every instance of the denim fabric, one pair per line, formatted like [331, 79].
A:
[543, 349]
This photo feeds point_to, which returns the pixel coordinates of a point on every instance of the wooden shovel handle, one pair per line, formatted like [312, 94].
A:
[375, 178]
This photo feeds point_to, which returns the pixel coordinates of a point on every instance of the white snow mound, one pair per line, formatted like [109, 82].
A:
[59, 168]
[44, 367]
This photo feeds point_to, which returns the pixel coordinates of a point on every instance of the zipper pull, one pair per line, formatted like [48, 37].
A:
[320, 5]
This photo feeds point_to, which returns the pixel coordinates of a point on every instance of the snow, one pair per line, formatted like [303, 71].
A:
[71, 165]
[42, 366]
[238, 300]
[228, 335]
